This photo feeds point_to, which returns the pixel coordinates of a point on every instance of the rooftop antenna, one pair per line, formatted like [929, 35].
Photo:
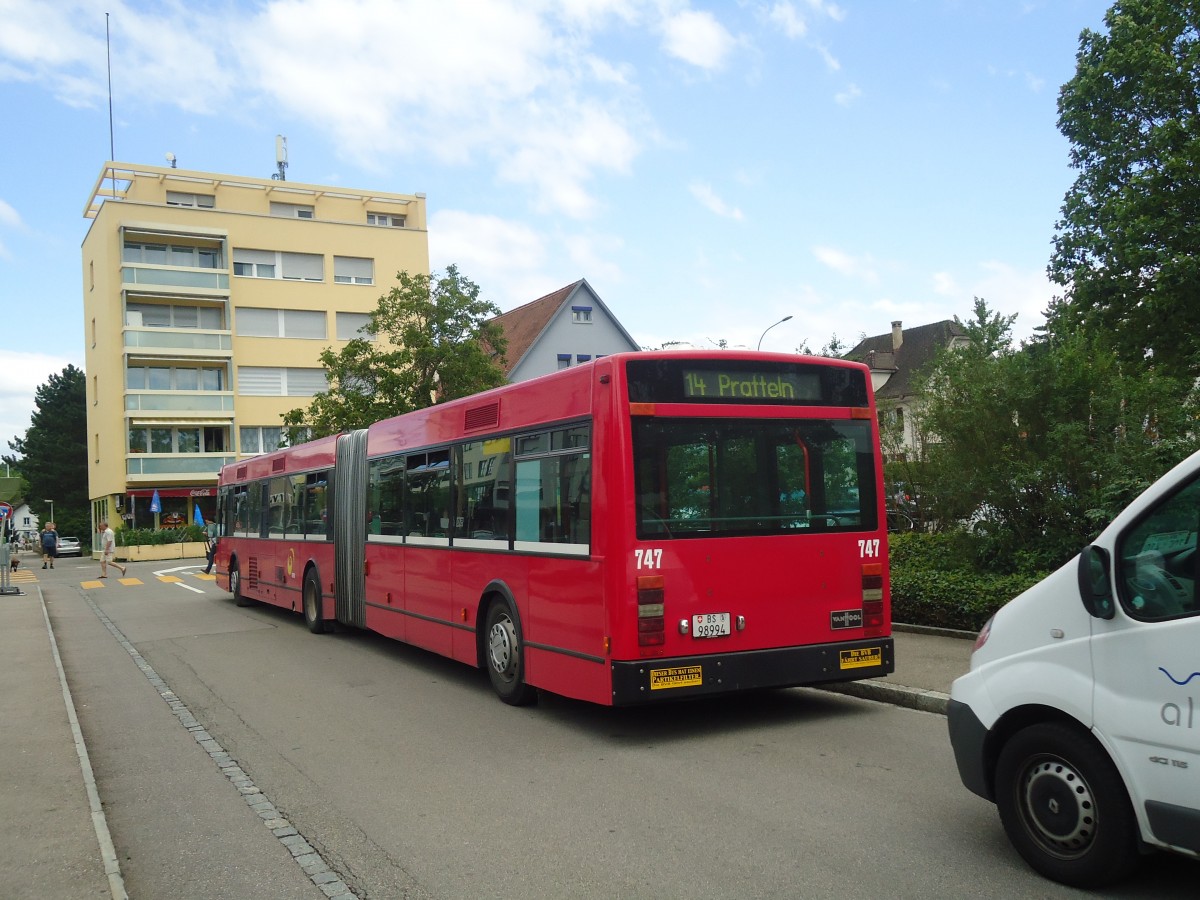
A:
[280, 158]
[171, 159]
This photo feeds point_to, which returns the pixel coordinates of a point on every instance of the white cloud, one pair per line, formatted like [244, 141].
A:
[9, 217]
[697, 38]
[848, 95]
[595, 256]
[944, 285]
[1008, 290]
[860, 268]
[24, 373]
[714, 204]
[509, 82]
[507, 259]
[789, 21]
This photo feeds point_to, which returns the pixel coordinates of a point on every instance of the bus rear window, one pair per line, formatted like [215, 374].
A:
[736, 477]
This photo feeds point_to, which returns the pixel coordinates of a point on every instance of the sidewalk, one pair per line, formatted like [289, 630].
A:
[46, 827]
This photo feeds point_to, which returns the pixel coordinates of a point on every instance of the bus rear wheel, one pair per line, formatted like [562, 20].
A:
[314, 616]
[504, 655]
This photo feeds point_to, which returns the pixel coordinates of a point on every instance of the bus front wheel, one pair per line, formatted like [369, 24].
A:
[314, 616]
[504, 654]
[235, 585]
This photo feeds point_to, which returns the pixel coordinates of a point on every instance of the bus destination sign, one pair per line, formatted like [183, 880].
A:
[750, 386]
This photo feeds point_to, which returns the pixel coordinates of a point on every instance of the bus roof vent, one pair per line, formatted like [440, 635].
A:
[277, 464]
[483, 416]
[241, 472]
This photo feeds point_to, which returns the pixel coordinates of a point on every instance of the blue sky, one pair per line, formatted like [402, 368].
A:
[709, 167]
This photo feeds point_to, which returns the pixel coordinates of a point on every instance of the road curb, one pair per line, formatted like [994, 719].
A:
[895, 694]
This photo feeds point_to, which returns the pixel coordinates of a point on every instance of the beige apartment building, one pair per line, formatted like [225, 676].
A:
[207, 301]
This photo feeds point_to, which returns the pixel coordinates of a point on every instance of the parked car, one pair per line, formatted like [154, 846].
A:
[69, 546]
[1078, 718]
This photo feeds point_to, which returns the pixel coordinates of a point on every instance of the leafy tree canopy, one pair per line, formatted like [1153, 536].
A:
[1048, 441]
[1127, 249]
[438, 344]
[52, 457]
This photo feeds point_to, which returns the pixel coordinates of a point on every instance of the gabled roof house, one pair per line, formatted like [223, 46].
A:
[896, 358]
[569, 326]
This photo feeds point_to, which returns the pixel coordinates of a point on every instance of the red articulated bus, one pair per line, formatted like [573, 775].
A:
[644, 527]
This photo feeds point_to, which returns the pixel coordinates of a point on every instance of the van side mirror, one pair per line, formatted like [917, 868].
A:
[1095, 582]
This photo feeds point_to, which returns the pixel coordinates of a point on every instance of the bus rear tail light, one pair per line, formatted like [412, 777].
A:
[872, 600]
[652, 625]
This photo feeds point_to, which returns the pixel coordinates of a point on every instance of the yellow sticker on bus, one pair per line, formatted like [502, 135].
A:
[861, 658]
[676, 676]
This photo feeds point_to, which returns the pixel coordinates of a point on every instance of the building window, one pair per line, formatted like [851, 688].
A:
[183, 256]
[272, 381]
[302, 266]
[353, 270]
[583, 357]
[166, 315]
[185, 439]
[391, 221]
[255, 263]
[255, 439]
[581, 314]
[352, 325]
[564, 360]
[179, 198]
[281, 323]
[291, 211]
[161, 378]
[275, 264]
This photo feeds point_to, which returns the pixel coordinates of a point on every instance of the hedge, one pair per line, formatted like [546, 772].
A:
[133, 537]
[937, 581]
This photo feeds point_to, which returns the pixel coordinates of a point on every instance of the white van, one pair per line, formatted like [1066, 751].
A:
[1080, 716]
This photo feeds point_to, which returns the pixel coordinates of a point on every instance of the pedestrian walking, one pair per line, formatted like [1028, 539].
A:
[210, 550]
[49, 545]
[108, 547]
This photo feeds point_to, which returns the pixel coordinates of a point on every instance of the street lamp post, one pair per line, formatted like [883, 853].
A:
[769, 327]
[51, 502]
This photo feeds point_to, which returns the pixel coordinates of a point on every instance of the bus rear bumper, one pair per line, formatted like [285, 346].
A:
[655, 680]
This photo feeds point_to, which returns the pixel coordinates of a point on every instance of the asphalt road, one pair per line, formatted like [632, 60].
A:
[410, 779]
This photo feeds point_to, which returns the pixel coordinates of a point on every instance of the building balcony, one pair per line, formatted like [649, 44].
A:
[155, 467]
[180, 404]
[169, 277]
[209, 343]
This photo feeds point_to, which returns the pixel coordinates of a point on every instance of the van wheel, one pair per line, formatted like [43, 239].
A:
[1064, 806]
[504, 655]
[235, 585]
[313, 616]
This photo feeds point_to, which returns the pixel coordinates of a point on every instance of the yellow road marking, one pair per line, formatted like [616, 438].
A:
[169, 579]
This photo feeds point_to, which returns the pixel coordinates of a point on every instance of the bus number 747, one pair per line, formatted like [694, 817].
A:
[648, 557]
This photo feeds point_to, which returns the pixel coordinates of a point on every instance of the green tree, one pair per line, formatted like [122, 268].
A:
[1127, 249]
[439, 345]
[1047, 442]
[52, 457]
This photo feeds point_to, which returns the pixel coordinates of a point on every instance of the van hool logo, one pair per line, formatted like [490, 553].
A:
[1176, 680]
